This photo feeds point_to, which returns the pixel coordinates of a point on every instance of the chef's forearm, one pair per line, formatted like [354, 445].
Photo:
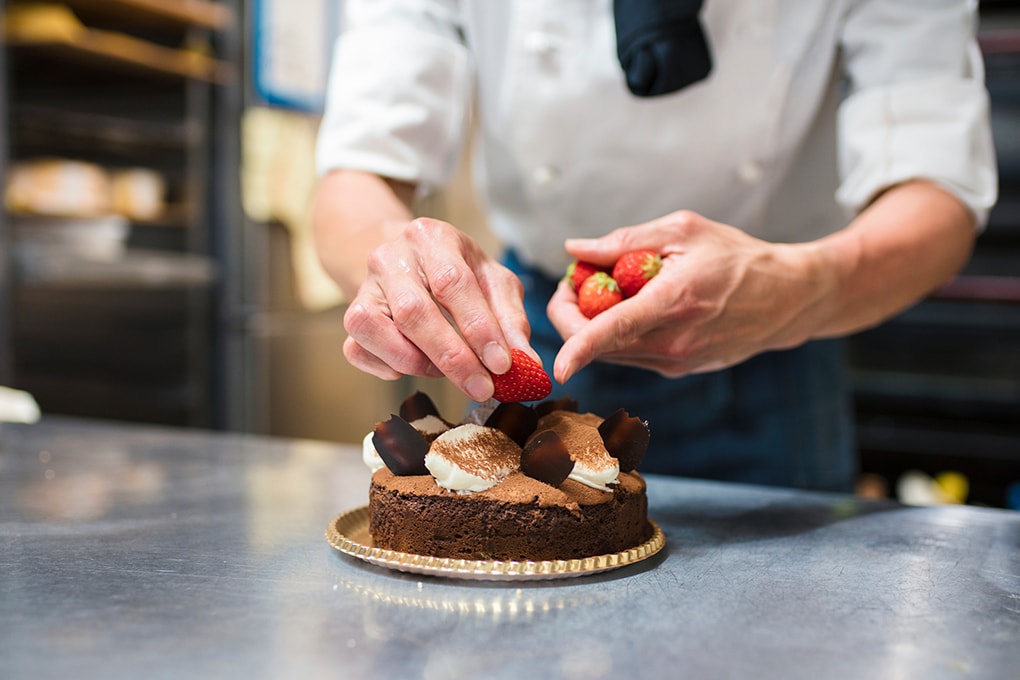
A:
[354, 213]
[911, 240]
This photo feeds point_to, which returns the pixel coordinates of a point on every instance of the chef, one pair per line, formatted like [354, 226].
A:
[806, 169]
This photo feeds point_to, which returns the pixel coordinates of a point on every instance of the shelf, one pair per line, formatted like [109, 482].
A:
[57, 126]
[199, 13]
[991, 289]
[174, 216]
[137, 269]
[55, 30]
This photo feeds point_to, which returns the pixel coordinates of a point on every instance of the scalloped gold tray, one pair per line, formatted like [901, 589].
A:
[348, 533]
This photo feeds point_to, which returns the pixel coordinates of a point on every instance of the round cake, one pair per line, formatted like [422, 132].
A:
[526, 484]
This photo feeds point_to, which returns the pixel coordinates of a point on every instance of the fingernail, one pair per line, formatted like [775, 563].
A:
[479, 387]
[563, 373]
[495, 358]
[433, 371]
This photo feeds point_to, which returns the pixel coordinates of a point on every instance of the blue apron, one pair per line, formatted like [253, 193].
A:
[781, 418]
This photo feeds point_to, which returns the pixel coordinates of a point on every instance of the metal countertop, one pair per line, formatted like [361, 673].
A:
[131, 551]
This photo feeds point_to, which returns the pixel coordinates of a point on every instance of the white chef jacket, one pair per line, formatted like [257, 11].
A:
[811, 109]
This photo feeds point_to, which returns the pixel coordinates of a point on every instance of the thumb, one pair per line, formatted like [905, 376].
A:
[607, 249]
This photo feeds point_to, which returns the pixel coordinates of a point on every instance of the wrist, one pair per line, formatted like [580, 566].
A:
[817, 272]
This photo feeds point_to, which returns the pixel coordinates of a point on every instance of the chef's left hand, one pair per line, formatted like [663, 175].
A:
[721, 297]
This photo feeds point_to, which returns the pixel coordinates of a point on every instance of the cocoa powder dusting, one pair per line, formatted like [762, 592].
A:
[481, 451]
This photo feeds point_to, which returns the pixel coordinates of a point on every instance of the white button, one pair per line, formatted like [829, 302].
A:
[750, 172]
[540, 43]
[545, 175]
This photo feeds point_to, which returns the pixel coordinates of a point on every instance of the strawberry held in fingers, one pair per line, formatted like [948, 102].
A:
[634, 269]
[579, 270]
[525, 381]
[598, 293]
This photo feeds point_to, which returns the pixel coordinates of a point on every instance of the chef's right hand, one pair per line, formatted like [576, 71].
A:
[435, 304]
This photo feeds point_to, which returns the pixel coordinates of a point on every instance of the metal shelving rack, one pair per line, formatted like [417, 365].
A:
[126, 83]
[938, 387]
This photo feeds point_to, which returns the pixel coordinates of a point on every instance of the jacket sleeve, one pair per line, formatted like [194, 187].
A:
[399, 91]
[917, 106]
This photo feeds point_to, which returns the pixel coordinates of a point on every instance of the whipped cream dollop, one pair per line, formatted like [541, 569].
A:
[471, 458]
[598, 476]
[430, 427]
[369, 456]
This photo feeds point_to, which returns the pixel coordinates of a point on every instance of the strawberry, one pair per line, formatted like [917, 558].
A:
[579, 270]
[598, 293]
[634, 269]
[525, 381]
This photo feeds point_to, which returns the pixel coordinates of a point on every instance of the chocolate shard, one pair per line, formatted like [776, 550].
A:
[546, 459]
[516, 420]
[550, 405]
[401, 447]
[626, 439]
[416, 406]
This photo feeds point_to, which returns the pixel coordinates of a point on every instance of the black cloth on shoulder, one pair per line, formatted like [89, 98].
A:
[661, 45]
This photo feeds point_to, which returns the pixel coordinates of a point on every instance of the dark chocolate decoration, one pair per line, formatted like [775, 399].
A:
[416, 406]
[516, 420]
[550, 405]
[401, 447]
[626, 439]
[546, 459]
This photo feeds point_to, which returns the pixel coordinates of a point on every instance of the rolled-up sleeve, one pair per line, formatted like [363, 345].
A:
[399, 91]
[917, 105]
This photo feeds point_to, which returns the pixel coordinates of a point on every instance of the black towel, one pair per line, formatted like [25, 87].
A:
[661, 45]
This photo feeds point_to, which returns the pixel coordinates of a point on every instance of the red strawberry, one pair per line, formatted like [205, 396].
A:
[525, 381]
[579, 270]
[634, 269]
[598, 293]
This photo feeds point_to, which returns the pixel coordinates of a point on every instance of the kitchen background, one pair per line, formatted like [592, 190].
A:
[155, 265]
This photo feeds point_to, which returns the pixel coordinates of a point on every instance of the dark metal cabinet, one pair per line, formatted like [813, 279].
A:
[938, 387]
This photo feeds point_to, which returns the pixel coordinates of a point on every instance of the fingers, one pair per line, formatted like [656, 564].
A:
[616, 328]
[661, 235]
[563, 312]
[439, 305]
[436, 304]
[375, 344]
[456, 277]
[505, 295]
[365, 361]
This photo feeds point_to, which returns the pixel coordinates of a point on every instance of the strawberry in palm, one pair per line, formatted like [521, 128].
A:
[634, 269]
[579, 271]
[598, 293]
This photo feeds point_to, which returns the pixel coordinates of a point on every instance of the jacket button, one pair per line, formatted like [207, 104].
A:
[545, 175]
[750, 172]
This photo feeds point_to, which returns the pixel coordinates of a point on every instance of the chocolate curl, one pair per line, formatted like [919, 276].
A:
[401, 447]
[417, 406]
[546, 459]
[550, 405]
[626, 438]
[515, 420]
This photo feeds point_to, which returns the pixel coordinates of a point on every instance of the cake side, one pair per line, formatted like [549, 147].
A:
[518, 519]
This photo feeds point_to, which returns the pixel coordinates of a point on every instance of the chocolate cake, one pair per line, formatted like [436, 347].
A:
[530, 484]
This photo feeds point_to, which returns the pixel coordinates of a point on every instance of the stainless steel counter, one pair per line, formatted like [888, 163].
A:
[138, 552]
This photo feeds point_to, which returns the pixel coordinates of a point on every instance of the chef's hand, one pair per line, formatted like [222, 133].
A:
[433, 304]
[720, 297]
